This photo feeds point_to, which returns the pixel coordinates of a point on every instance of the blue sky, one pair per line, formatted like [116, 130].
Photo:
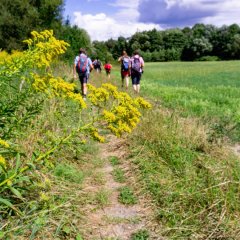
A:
[104, 19]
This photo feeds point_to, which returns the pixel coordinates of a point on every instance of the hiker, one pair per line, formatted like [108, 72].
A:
[125, 68]
[83, 66]
[97, 65]
[137, 65]
[108, 67]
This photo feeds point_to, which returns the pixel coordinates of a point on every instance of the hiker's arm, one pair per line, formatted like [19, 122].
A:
[74, 71]
[120, 59]
[91, 67]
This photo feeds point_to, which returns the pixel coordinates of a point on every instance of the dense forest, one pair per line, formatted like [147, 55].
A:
[200, 42]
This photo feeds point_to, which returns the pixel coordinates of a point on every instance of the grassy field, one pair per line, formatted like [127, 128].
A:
[193, 177]
[209, 90]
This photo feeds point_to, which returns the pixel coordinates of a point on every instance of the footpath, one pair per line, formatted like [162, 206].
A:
[118, 211]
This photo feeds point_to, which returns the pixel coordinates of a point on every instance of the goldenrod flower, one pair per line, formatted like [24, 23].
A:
[43, 197]
[3, 162]
[4, 143]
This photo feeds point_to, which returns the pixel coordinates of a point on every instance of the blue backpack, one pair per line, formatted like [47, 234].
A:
[82, 64]
[125, 63]
[136, 65]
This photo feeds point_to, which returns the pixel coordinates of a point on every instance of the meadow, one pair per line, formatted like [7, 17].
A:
[183, 148]
[209, 90]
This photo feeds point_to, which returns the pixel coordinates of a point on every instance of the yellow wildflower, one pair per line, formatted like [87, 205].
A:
[43, 197]
[141, 102]
[109, 116]
[4, 143]
[3, 162]
[9, 183]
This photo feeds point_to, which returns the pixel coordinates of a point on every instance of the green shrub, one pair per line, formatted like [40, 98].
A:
[209, 58]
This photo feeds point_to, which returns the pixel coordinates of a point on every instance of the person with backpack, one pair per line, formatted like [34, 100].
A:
[137, 64]
[82, 66]
[125, 68]
[97, 65]
[108, 67]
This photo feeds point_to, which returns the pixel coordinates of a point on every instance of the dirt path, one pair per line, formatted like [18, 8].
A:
[107, 217]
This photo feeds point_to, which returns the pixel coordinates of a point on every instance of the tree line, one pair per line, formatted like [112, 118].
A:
[200, 42]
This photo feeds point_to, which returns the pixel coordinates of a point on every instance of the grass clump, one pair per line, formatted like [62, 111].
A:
[140, 235]
[118, 175]
[69, 173]
[126, 196]
[102, 197]
[114, 160]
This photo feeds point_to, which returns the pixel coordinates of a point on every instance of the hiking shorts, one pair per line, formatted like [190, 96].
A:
[83, 78]
[125, 73]
[108, 71]
[136, 77]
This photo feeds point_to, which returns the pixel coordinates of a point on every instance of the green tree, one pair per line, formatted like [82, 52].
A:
[77, 38]
[19, 17]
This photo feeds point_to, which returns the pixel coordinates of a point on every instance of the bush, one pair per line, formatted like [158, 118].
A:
[209, 58]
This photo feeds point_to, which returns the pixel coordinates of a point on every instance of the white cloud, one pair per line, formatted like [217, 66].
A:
[228, 13]
[101, 27]
[125, 3]
[180, 13]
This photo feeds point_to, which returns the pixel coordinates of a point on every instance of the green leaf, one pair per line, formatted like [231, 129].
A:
[10, 205]
[18, 162]
[31, 165]
[16, 193]
[6, 202]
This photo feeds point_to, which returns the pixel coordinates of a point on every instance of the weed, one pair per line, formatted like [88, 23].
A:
[114, 160]
[118, 175]
[140, 235]
[126, 196]
[69, 173]
[101, 198]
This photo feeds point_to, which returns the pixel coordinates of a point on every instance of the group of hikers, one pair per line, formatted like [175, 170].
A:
[130, 67]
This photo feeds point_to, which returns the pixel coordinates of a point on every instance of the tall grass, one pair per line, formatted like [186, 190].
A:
[195, 184]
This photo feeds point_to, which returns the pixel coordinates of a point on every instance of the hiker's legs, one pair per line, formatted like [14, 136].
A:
[122, 76]
[138, 88]
[136, 82]
[135, 88]
[127, 81]
[83, 80]
[84, 89]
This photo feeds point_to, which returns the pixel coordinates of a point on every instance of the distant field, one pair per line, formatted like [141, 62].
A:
[210, 90]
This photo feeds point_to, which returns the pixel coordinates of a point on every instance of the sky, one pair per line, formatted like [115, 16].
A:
[105, 19]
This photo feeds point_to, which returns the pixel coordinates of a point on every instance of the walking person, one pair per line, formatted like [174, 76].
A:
[97, 65]
[125, 68]
[137, 64]
[108, 67]
[82, 66]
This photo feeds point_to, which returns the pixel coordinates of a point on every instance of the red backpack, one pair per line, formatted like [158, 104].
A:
[107, 67]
